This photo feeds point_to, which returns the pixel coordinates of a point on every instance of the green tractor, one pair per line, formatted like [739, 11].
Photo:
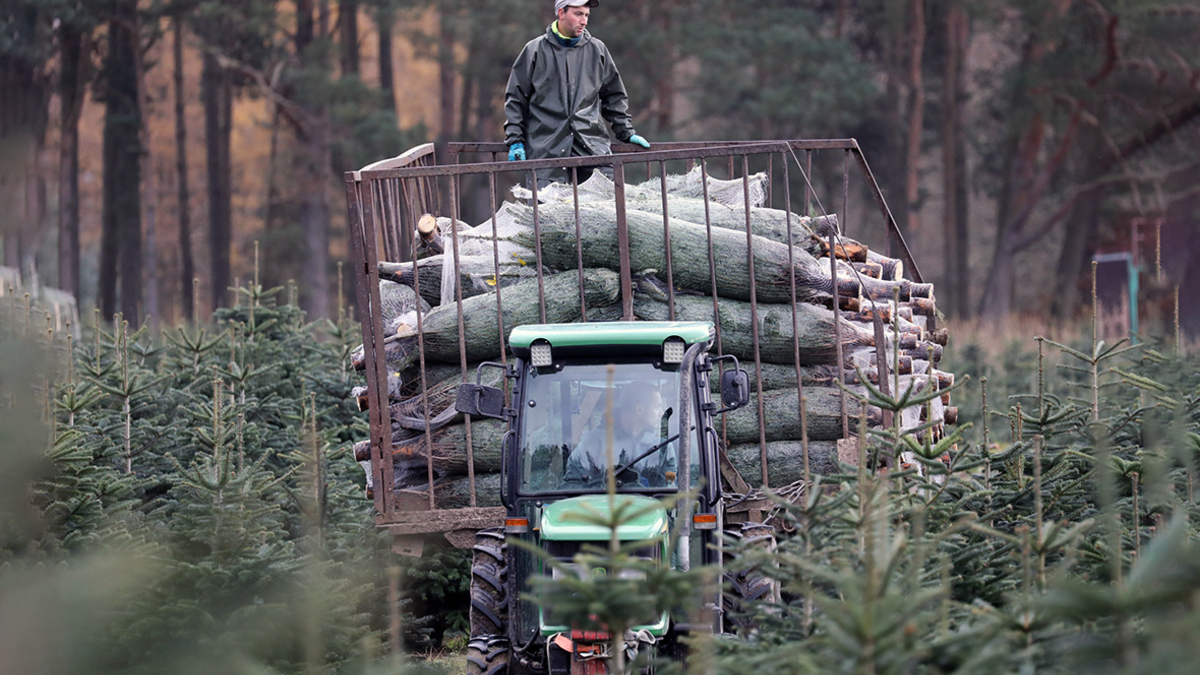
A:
[630, 398]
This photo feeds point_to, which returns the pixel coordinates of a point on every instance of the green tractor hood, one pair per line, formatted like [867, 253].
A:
[569, 519]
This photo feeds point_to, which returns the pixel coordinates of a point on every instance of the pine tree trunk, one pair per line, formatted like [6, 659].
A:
[149, 188]
[1022, 148]
[348, 36]
[121, 234]
[71, 95]
[187, 269]
[305, 28]
[317, 162]
[469, 80]
[217, 94]
[916, 117]
[962, 220]
[445, 52]
[1081, 234]
[23, 116]
[387, 77]
[318, 159]
[954, 165]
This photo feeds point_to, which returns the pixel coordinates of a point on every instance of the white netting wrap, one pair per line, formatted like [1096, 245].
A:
[600, 188]
[479, 248]
[476, 255]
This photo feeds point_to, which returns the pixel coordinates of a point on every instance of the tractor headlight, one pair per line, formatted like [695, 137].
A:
[673, 349]
[539, 354]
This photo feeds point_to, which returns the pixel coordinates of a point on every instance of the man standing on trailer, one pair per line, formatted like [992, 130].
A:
[561, 85]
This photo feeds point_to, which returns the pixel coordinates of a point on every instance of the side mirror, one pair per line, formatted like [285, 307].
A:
[735, 389]
[480, 400]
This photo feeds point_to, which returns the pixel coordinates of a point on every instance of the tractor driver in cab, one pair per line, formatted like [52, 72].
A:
[636, 429]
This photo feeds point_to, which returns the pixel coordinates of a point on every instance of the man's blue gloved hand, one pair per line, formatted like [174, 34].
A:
[638, 140]
[516, 152]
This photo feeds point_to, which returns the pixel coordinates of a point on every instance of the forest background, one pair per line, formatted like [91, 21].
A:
[148, 145]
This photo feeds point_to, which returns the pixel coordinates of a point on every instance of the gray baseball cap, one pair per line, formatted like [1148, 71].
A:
[559, 4]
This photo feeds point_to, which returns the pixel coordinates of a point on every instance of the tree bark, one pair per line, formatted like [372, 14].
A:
[217, 94]
[187, 269]
[916, 117]
[1080, 241]
[446, 73]
[317, 160]
[815, 330]
[305, 28]
[387, 78]
[348, 36]
[469, 80]
[149, 188]
[954, 166]
[23, 116]
[1021, 150]
[121, 235]
[71, 96]
[785, 461]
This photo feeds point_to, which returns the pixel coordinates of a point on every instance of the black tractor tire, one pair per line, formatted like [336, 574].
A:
[747, 587]
[487, 655]
[489, 585]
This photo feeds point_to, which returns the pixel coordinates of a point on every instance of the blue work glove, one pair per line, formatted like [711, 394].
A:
[516, 152]
[638, 140]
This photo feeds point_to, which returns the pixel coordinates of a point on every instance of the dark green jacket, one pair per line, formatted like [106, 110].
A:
[557, 96]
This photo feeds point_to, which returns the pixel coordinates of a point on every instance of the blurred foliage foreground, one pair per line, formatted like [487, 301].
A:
[185, 502]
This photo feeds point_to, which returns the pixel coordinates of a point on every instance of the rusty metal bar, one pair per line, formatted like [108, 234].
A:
[712, 273]
[497, 148]
[578, 246]
[667, 242]
[844, 224]
[582, 161]
[807, 192]
[762, 427]
[455, 186]
[496, 263]
[770, 181]
[422, 377]
[399, 190]
[787, 201]
[623, 244]
[537, 247]
[837, 332]
[362, 238]
[881, 364]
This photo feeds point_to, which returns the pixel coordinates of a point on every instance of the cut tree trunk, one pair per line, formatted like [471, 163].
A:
[689, 251]
[782, 416]
[411, 451]
[815, 330]
[471, 270]
[481, 330]
[785, 461]
[455, 493]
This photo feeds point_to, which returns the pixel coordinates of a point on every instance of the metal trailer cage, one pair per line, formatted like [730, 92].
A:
[386, 199]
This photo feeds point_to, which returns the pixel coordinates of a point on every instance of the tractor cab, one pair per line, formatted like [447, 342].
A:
[595, 406]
